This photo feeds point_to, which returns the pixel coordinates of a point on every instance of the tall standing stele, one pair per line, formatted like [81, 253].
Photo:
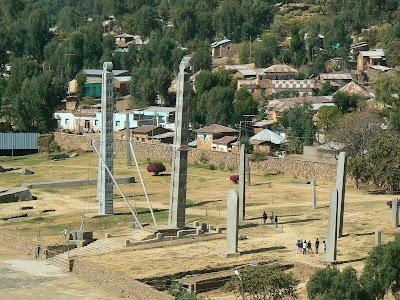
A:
[177, 202]
[105, 189]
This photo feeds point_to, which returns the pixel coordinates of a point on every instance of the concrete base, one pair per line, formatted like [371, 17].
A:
[164, 229]
[324, 261]
[227, 254]
[95, 215]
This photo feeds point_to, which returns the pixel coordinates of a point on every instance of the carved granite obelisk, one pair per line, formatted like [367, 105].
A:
[242, 183]
[177, 202]
[341, 187]
[314, 187]
[105, 189]
[331, 243]
[232, 224]
[128, 136]
[395, 213]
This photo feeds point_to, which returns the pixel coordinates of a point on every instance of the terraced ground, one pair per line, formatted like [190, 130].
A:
[365, 211]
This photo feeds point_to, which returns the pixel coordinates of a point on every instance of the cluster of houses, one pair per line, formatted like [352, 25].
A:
[155, 124]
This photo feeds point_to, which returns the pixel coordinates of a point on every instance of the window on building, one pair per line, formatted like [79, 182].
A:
[87, 90]
[66, 121]
[117, 123]
[96, 122]
[94, 91]
[204, 137]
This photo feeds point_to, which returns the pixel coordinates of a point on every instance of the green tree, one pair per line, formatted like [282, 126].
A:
[244, 104]
[201, 60]
[346, 102]
[33, 108]
[327, 117]
[244, 55]
[146, 21]
[38, 34]
[216, 105]
[386, 89]
[298, 123]
[327, 89]
[330, 283]
[80, 86]
[162, 79]
[381, 272]
[205, 81]
[297, 46]
[142, 87]
[268, 281]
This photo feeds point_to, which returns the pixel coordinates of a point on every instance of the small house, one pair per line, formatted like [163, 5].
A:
[338, 80]
[222, 48]
[280, 72]
[267, 140]
[304, 87]
[207, 135]
[370, 58]
[147, 133]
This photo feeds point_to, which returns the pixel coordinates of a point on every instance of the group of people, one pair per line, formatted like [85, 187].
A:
[306, 247]
[273, 218]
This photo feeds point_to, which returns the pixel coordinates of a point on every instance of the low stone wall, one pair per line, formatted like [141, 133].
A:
[219, 159]
[128, 287]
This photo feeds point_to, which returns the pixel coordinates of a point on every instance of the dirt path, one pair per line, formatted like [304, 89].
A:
[22, 277]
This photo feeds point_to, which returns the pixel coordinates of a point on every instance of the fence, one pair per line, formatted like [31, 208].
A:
[18, 141]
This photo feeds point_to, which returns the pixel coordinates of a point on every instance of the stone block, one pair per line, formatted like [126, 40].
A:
[160, 236]
[218, 230]
[378, 237]
[22, 171]
[395, 213]
[341, 187]
[199, 231]
[108, 235]
[196, 224]
[331, 243]
[180, 233]
[127, 243]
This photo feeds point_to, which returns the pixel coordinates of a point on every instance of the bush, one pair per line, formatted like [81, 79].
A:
[47, 143]
[266, 282]
[234, 178]
[330, 283]
[258, 156]
[212, 167]
[203, 158]
[156, 168]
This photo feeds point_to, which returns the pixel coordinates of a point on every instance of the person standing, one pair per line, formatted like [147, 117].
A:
[276, 221]
[309, 247]
[324, 246]
[265, 216]
[272, 217]
[316, 246]
[297, 246]
[305, 247]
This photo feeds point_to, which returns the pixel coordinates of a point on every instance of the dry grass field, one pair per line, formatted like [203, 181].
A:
[365, 211]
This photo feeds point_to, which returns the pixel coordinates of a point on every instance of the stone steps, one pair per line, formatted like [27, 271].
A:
[143, 235]
[95, 248]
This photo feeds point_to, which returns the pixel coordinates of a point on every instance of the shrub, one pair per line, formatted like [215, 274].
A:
[156, 168]
[266, 282]
[212, 167]
[234, 178]
[47, 143]
[203, 158]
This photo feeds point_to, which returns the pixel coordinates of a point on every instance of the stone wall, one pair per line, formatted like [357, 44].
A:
[224, 160]
[127, 286]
